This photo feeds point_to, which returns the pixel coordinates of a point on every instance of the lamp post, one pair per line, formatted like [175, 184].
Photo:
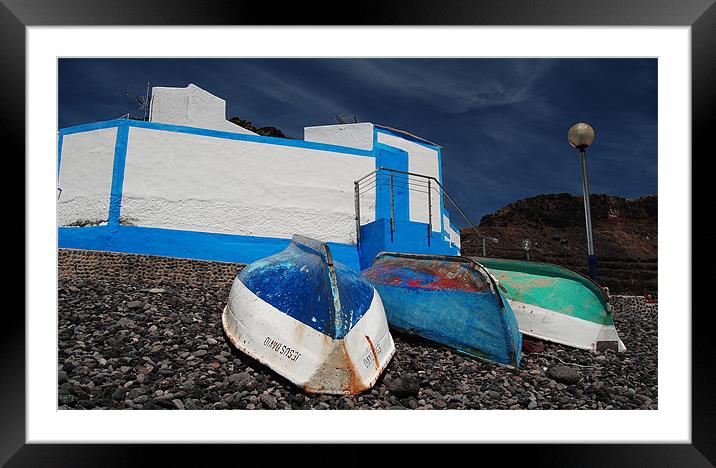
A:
[580, 136]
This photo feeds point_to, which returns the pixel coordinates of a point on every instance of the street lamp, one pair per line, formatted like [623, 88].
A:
[580, 136]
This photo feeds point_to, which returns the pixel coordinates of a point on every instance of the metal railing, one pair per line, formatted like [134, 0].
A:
[413, 182]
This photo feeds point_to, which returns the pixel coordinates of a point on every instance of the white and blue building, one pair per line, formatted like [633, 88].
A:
[189, 184]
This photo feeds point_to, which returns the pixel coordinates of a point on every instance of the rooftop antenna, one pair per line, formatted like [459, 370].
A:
[346, 119]
[146, 107]
[142, 102]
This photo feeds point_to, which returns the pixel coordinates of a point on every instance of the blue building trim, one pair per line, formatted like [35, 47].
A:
[409, 237]
[442, 205]
[120, 158]
[92, 126]
[390, 157]
[60, 140]
[186, 244]
[218, 134]
[377, 145]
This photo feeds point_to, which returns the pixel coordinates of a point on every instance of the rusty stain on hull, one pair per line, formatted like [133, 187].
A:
[337, 368]
[372, 348]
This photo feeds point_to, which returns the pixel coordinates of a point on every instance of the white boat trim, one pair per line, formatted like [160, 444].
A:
[305, 356]
[559, 328]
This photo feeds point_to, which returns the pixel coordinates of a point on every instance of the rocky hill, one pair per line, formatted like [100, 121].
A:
[625, 236]
[263, 131]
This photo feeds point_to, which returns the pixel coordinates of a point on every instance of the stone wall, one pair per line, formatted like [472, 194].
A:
[153, 270]
[145, 269]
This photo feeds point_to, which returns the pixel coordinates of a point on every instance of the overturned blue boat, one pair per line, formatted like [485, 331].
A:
[448, 299]
[312, 320]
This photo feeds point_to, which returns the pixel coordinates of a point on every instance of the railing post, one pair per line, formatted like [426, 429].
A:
[484, 247]
[430, 214]
[442, 193]
[392, 209]
[356, 191]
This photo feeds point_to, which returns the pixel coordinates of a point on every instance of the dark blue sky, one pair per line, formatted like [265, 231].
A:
[502, 122]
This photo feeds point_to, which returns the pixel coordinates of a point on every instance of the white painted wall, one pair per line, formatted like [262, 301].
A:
[358, 135]
[191, 107]
[201, 183]
[86, 176]
[421, 160]
[454, 236]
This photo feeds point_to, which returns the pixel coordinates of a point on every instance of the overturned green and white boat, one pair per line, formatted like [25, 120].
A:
[556, 304]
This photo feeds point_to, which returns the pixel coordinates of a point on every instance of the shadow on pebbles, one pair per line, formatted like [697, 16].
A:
[124, 346]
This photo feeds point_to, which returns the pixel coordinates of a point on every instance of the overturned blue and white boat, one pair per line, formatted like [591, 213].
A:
[312, 320]
[451, 300]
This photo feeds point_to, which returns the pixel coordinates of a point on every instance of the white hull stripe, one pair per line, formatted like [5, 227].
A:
[553, 326]
[305, 356]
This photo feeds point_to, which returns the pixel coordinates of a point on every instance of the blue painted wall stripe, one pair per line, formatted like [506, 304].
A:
[391, 158]
[120, 158]
[60, 139]
[379, 163]
[440, 178]
[218, 134]
[409, 237]
[253, 138]
[186, 244]
[92, 126]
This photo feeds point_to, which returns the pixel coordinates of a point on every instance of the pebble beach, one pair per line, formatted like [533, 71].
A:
[132, 347]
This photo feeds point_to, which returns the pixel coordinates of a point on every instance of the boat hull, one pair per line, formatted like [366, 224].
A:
[449, 300]
[556, 304]
[340, 349]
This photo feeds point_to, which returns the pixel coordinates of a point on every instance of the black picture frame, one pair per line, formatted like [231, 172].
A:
[700, 15]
